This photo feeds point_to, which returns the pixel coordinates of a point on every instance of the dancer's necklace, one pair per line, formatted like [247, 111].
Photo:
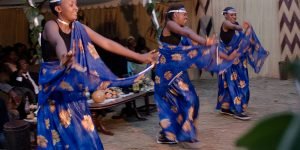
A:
[63, 22]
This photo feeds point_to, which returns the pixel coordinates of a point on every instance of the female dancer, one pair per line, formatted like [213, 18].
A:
[233, 94]
[72, 66]
[175, 95]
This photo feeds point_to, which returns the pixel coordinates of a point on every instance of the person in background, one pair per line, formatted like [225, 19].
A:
[10, 95]
[10, 59]
[24, 78]
[141, 46]
[3, 120]
[21, 50]
[33, 58]
[175, 96]
[134, 67]
[15, 98]
[112, 60]
[233, 91]
[131, 44]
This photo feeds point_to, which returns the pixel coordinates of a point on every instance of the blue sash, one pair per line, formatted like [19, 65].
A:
[88, 71]
[234, 92]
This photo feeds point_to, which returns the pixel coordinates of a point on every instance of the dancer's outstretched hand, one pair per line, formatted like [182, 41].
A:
[149, 57]
[211, 40]
[67, 59]
[234, 55]
[246, 25]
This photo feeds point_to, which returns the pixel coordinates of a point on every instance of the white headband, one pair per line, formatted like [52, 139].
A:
[53, 1]
[182, 10]
[230, 11]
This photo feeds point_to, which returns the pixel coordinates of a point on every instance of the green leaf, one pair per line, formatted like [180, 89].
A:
[150, 7]
[290, 140]
[267, 134]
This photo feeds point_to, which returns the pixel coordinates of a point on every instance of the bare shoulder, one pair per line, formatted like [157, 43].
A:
[173, 26]
[51, 24]
[85, 26]
[226, 23]
[51, 28]
[171, 23]
[87, 29]
[90, 31]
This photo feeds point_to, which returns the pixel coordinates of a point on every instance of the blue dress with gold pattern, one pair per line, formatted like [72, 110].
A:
[233, 83]
[64, 119]
[175, 96]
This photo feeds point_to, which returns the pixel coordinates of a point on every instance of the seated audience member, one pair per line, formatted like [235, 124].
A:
[10, 59]
[16, 97]
[131, 44]
[33, 57]
[3, 120]
[21, 50]
[141, 46]
[116, 63]
[24, 78]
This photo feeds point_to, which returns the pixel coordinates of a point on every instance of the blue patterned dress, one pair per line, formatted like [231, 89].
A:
[175, 96]
[233, 83]
[64, 119]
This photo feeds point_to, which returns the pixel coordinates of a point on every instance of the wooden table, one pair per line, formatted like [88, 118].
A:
[95, 107]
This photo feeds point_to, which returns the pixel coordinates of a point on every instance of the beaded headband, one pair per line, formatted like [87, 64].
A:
[54, 1]
[181, 10]
[230, 11]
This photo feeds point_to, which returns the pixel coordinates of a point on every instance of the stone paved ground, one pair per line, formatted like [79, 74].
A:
[216, 132]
